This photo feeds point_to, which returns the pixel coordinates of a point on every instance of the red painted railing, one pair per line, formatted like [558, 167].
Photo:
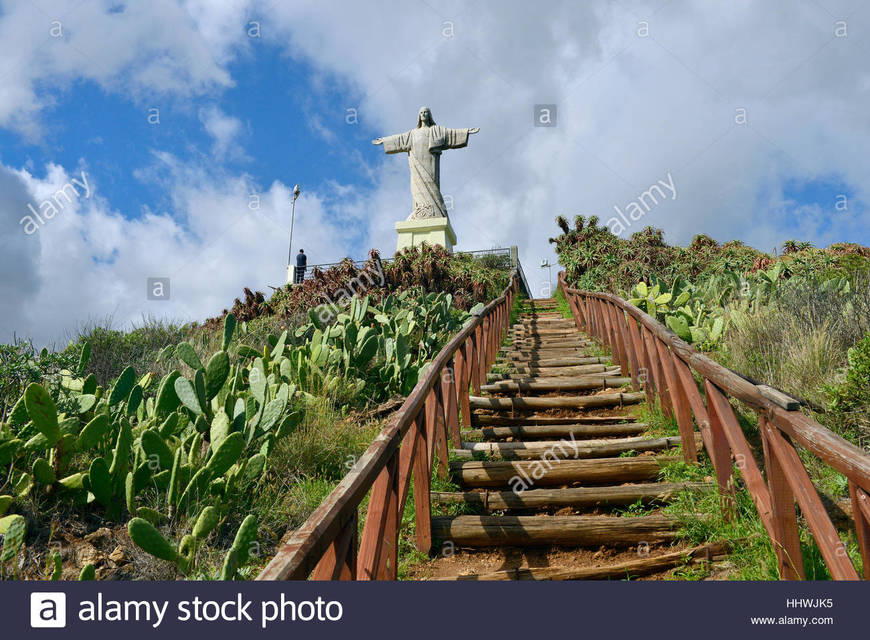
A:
[326, 546]
[667, 367]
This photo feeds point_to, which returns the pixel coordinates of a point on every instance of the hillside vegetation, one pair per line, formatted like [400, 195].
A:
[799, 320]
[202, 444]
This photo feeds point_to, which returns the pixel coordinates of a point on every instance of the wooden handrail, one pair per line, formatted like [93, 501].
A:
[417, 432]
[665, 363]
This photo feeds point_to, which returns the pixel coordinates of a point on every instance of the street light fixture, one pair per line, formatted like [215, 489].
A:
[545, 264]
[296, 192]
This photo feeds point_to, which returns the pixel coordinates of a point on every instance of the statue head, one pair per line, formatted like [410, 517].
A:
[424, 118]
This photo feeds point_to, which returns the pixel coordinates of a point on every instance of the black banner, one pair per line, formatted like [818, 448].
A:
[440, 610]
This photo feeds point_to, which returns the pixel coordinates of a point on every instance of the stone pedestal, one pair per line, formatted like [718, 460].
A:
[413, 233]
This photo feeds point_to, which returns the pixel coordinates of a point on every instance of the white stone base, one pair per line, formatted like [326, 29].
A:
[432, 231]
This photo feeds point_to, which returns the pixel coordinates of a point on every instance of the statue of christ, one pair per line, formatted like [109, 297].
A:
[424, 145]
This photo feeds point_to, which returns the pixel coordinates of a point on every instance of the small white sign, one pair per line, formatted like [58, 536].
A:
[47, 609]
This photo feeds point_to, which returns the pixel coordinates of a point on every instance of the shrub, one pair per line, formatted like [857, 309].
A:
[853, 393]
[113, 350]
[21, 364]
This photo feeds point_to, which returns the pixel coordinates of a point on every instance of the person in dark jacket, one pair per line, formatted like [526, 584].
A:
[301, 264]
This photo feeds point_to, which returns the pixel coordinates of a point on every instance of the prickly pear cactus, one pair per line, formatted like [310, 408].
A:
[146, 536]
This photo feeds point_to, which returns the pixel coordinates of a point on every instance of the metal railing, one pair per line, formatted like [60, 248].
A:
[326, 546]
[666, 365]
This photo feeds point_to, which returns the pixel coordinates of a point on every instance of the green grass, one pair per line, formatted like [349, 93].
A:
[659, 425]
[562, 304]
[702, 520]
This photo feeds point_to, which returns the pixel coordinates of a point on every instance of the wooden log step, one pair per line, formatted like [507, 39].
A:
[523, 474]
[573, 450]
[575, 497]
[521, 379]
[582, 369]
[535, 419]
[548, 336]
[530, 324]
[547, 332]
[491, 531]
[490, 447]
[578, 431]
[711, 551]
[584, 383]
[536, 370]
[534, 357]
[531, 345]
[524, 403]
[555, 374]
[561, 361]
[554, 346]
[546, 346]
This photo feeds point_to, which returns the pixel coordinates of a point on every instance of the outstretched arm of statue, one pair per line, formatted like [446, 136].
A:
[396, 143]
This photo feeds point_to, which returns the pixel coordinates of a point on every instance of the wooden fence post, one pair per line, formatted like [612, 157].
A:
[861, 512]
[832, 549]
[435, 430]
[657, 373]
[630, 348]
[581, 316]
[680, 403]
[702, 419]
[473, 355]
[787, 543]
[339, 561]
[448, 393]
[485, 341]
[618, 320]
[609, 338]
[643, 366]
[413, 456]
[461, 364]
[720, 453]
[379, 538]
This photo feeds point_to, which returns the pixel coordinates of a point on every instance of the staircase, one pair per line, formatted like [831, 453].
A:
[551, 466]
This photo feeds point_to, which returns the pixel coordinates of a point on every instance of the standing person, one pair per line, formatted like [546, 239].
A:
[301, 264]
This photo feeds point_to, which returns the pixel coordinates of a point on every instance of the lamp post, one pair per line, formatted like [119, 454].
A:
[296, 192]
[545, 264]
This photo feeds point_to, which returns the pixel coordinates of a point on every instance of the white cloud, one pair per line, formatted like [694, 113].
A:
[89, 262]
[224, 130]
[630, 110]
[147, 50]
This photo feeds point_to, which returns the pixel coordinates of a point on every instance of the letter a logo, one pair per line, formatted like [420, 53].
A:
[47, 610]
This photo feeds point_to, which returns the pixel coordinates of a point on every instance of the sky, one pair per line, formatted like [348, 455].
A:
[175, 131]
